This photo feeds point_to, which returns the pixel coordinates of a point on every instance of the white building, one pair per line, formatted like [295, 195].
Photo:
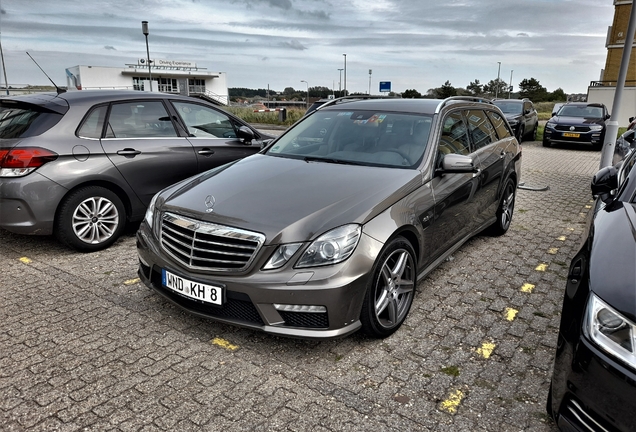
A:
[168, 76]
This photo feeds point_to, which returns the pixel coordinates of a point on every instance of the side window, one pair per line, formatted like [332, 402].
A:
[454, 137]
[500, 125]
[203, 121]
[93, 123]
[139, 120]
[481, 130]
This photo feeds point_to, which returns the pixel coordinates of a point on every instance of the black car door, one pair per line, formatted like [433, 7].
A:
[213, 134]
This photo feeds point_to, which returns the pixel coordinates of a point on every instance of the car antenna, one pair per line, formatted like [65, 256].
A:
[59, 90]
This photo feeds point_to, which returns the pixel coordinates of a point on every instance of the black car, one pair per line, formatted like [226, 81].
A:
[577, 123]
[521, 115]
[593, 385]
[81, 164]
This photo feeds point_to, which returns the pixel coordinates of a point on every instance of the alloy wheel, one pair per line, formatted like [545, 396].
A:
[394, 288]
[95, 220]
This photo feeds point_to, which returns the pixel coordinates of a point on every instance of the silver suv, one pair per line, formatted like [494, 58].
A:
[81, 164]
[329, 229]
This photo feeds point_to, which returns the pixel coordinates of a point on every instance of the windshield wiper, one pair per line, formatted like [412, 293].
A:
[329, 160]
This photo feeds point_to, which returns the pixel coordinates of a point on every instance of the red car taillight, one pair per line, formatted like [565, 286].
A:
[19, 162]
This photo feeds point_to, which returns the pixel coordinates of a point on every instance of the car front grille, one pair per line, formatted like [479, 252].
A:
[207, 246]
[305, 319]
[565, 128]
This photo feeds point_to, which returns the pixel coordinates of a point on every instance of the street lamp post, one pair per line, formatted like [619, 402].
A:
[307, 92]
[370, 71]
[340, 83]
[345, 73]
[144, 29]
[510, 85]
[497, 84]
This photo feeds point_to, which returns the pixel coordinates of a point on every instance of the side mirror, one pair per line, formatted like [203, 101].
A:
[455, 163]
[604, 182]
[553, 113]
[607, 117]
[631, 119]
[246, 134]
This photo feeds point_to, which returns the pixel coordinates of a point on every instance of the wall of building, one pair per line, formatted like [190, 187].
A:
[605, 95]
[615, 45]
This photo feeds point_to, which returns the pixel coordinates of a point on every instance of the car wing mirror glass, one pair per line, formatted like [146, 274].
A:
[455, 163]
[246, 134]
[604, 182]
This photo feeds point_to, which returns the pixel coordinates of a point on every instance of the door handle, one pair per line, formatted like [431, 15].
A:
[128, 152]
[206, 152]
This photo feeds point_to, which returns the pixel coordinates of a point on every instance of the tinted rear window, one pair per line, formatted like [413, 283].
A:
[18, 120]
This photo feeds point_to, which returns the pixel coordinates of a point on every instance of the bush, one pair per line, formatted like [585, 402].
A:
[248, 115]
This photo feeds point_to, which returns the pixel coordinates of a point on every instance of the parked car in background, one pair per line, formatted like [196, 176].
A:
[329, 229]
[593, 386]
[577, 123]
[81, 164]
[557, 106]
[521, 115]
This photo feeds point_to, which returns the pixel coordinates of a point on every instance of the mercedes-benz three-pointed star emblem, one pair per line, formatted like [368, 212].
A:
[209, 203]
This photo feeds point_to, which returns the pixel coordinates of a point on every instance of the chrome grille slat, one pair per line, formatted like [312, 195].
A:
[202, 245]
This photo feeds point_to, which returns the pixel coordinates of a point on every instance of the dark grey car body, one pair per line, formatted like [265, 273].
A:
[151, 154]
[311, 182]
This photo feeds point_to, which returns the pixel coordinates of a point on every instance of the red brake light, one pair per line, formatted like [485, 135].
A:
[27, 157]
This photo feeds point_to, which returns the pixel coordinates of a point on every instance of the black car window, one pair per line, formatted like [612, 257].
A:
[454, 137]
[357, 137]
[481, 130]
[510, 107]
[581, 111]
[93, 123]
[19, 120]
[139, 119]
[203, 121]
[500, 125]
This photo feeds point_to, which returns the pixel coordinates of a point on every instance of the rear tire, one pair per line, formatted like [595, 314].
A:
[546, 143]
[534, 131]
[505, 210]
[391, 289]
[90, 219]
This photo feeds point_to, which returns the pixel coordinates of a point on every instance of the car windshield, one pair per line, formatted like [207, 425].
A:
[581, 111]
[371, 138]
[509, 107]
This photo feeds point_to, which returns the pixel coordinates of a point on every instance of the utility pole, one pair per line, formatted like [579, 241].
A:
[345, 73]
[497, 84]
[340, 83]
[510, 85]
[370, 71]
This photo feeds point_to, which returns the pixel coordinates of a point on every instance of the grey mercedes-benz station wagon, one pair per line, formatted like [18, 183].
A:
[83, 163]
[329, 228]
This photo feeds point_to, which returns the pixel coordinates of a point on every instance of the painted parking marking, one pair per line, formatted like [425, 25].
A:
[527, 288]
[588, 206]
[562, 238]
[553, 251]
[486, 349]
[25, 260]
[542, 267]
[511, 314]
[132, 281]
[451, 404]
[224, 344]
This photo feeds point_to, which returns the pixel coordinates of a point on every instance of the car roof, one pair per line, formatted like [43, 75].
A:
[89, 96]
[420, 106]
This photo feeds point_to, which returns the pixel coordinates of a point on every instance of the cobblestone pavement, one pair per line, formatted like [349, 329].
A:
[84, 345]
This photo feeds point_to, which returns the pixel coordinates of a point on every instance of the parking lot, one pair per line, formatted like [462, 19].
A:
[85, 345]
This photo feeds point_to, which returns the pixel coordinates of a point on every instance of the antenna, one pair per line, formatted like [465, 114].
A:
[59, 90]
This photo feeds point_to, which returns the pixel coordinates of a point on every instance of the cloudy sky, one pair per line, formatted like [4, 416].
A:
[415, 44]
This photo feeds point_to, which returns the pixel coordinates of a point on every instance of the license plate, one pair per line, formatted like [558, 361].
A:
[195, 290]
[571, 135]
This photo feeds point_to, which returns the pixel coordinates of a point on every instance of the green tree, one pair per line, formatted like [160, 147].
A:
[447, 90]
[411, 94]
[533, 90]
[496, 87]
[558, 95]
[475, 88]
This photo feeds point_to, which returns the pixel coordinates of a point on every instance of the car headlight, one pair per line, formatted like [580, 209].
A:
[332, 247]
[596, 128]
[150, 211]
[281, 256]
[550, 125]
[610, 330]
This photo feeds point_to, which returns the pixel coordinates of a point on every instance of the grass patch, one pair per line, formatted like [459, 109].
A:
[451, 371]
[248, 114]
[522, 211]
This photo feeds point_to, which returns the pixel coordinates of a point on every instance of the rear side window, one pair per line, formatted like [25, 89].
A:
[25, 120]
[93, 123]
[499, 124]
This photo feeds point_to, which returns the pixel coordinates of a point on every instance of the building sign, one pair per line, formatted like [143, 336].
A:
[385, 86]
[167, 63]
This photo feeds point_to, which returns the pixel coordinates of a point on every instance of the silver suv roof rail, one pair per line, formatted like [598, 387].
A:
[451, 99]
[350, 98]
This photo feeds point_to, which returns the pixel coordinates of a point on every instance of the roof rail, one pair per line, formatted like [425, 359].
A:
[448, 100]
[350, 98]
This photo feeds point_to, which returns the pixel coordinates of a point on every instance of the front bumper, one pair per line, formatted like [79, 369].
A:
[557, 136]
[592, 391]
[28, 204]
[251, 296]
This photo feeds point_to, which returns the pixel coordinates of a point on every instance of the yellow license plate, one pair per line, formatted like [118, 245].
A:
[571, 135]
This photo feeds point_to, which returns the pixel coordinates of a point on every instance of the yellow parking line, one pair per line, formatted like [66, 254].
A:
[224, 344]
[562, 238]
[588, 206]
[132, 281]
[25, 260]
[451, 404]
[511, 314]
[527, 288]
[553, 251]
[486, 349]
[542, 267]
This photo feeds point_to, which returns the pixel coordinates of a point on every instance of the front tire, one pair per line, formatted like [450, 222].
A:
[391, 289]
[90, 219]
[534, 131]
[505, 209]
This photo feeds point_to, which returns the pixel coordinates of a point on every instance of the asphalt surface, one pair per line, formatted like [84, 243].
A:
[85, 346]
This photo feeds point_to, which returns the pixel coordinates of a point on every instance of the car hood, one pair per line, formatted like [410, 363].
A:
[612, 258]
[577, 120]
[291, 200]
